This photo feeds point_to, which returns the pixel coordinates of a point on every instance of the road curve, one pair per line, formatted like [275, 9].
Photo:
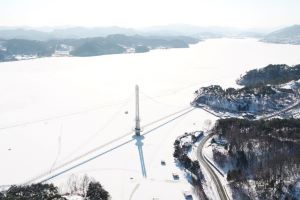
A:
[221, 190]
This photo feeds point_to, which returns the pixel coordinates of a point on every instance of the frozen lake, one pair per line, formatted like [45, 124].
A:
[54, 109]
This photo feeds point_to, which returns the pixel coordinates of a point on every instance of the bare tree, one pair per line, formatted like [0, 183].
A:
[78, 185]
[73, 184]
[84, 184]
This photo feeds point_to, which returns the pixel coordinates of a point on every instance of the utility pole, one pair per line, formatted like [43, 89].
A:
[137, 112]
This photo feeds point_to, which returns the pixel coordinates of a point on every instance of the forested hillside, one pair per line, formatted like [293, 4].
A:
[265, 156]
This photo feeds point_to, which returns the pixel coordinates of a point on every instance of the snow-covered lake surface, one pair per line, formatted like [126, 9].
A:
[55, 109]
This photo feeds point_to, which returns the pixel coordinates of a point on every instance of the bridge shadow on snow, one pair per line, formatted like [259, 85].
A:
[139, 143]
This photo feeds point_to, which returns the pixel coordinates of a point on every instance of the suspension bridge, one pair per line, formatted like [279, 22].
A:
[138, 134]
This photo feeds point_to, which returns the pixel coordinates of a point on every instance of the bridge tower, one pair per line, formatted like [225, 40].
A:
[137, 112]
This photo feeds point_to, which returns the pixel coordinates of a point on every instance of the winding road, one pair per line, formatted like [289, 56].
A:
[203, 162]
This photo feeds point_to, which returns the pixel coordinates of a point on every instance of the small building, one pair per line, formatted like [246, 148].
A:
[198, 134]
[249, 116]
[188, 195]
[61, 53]
[220, 141]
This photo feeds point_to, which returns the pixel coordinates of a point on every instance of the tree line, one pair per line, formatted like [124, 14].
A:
[86, 187]
[271, 74]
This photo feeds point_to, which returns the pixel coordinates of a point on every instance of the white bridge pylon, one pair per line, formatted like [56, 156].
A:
[137, 112]
[138, 137]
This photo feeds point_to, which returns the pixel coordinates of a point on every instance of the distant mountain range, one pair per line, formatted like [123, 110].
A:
[27, 43]
[288, 35]
[62, 33]
[49, 33]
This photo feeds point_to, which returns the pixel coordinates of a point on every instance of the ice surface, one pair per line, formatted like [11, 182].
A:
[55, 109]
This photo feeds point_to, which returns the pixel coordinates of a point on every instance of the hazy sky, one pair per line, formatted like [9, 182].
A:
[140, 13]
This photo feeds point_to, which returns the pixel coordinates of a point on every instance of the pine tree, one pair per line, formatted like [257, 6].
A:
[96, 192]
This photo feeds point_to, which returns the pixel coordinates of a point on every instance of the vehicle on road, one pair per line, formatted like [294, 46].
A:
[187, 195]
[175, 176]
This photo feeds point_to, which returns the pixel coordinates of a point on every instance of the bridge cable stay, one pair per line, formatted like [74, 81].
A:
[104, 126]
[172, 91]
[185, 110]
[153, 99]
[107, 151]
[60, 116]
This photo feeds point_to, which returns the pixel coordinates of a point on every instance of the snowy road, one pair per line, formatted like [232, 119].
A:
[221, 190]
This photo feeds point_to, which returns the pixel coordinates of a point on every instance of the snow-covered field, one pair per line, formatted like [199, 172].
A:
[55, 109]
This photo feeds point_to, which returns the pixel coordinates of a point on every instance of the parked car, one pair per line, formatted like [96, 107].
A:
[187, 195]
[175, 176]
